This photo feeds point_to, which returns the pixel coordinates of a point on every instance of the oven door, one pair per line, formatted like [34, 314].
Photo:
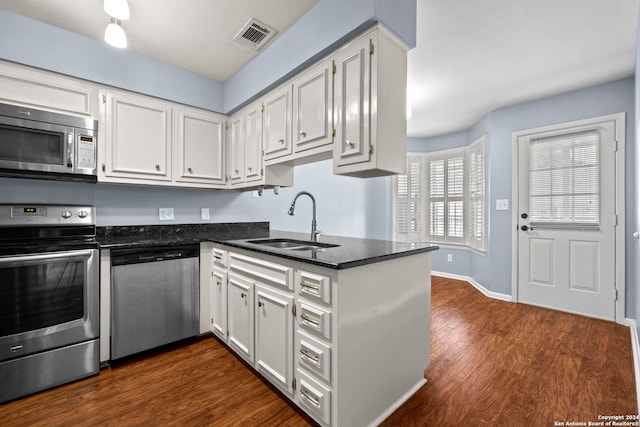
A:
[48, 300]
[35, 146]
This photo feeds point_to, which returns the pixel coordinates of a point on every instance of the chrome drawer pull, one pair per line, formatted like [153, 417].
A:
[307, 319]
[313, 288]
[313, 357]
[315, 402]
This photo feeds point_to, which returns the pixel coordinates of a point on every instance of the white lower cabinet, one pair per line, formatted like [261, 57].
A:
[274, 336]
[219, 302]
[315, 332]
[240, 316]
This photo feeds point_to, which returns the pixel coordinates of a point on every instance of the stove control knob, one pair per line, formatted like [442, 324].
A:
[83, 214]
[66, 214]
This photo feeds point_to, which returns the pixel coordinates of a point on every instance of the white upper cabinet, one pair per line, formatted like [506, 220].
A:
[370, 106]
[235, 142]
[253, 143]
[352, 112]
[137, 137]
[312, 106]
[200, 147]
[27, 86]
[276, 125]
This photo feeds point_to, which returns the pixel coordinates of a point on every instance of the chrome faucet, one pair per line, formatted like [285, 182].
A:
[314, 230]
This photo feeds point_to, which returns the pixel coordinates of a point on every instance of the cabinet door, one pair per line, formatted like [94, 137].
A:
[274, 336]
[276, 129]
[352, 104]
[200, 146]
[236, 149]
[219, 303]
[253, 143]
[240, 315]
[312, 102]
[138, 137]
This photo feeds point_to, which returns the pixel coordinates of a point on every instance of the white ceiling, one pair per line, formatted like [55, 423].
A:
[472, 56]
[475, 56]
[195, 34]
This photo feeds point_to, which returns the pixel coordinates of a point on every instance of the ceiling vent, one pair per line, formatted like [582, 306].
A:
[254, 34]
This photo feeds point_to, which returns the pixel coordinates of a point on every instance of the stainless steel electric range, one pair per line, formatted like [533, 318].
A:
[49, 297]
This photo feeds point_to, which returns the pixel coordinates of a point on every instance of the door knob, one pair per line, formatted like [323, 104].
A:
[525, 228]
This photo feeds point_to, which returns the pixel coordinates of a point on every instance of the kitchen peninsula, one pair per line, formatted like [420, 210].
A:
[340, 327]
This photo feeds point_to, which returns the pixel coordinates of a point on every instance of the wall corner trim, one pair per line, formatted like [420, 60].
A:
[635, 347]
[486, 292]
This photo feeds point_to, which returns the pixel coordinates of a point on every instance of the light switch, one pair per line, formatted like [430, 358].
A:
[502, 204]
[204, 213]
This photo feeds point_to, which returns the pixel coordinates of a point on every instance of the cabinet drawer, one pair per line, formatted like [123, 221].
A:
[265, 272]
[313, 286]
[314, 319]
[313, 356]
[313, 397]
[220, 257]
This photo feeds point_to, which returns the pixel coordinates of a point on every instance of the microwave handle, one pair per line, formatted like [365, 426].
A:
[70, 150]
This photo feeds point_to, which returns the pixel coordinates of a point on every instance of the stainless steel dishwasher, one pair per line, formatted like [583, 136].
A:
[154, 297]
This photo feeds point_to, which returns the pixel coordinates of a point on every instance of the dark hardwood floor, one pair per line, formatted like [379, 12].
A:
[492, 363]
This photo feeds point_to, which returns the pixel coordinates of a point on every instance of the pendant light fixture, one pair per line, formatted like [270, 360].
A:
[114, 33]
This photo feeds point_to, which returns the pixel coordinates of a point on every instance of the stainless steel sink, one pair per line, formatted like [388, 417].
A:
[291, 244]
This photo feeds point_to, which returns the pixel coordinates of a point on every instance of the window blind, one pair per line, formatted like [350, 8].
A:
[564, 180]
[409, 201]
[476, 192]
[447, 198]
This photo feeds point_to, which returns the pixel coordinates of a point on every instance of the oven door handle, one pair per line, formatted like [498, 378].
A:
[31, 258]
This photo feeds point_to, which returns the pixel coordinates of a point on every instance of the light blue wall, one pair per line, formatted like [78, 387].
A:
[328, 24]
[494, 270]
[34, 43]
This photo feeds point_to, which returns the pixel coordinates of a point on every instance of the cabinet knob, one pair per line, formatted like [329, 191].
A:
[242, 295]
[237, 172]
[249, 169]
[190, 170]
[349, 143]
[281, 141]
[302, 134]
[157, 167]
[260, 304]
[219, 283]
[104, 167]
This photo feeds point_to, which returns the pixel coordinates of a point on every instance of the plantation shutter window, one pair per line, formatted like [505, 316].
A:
[564, 181]
[476, 194]
[409, 222]
[446, 198]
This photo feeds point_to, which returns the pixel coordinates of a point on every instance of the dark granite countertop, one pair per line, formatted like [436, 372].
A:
[349, 252]
[132, 236]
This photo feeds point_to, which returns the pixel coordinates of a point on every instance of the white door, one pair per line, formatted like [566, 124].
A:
[566, 219]
[274, 336]
[253, 143]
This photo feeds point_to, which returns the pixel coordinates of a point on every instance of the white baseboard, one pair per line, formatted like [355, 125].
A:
[635, 346]
[478, 286]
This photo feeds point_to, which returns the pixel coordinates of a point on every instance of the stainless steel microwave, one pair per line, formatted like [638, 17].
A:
[42, 144]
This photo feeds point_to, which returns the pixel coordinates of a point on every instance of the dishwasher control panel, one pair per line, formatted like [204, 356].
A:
[153, 254]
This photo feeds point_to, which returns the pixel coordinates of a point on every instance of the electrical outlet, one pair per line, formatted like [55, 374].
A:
[204, 213]
[502, 204]
[165, 214]
[449, 257]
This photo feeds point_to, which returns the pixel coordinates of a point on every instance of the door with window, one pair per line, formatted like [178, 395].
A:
[567, 219]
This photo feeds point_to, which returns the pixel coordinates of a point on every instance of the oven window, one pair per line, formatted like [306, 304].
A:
[31, 145]
[35, 295]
